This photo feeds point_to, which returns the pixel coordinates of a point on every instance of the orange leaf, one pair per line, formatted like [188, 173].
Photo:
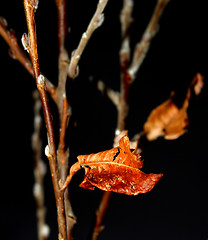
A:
[116, 170]
[167, 119]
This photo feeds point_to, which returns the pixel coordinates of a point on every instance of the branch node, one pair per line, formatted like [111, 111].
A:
[61, 183]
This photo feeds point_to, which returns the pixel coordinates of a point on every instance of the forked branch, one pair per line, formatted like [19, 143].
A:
[17, 53]
[128, 73]
[30, 43]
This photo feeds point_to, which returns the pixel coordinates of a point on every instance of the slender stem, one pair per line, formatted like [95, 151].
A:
[95, 22]
[40, 81]
[100, 214]
[64, 114]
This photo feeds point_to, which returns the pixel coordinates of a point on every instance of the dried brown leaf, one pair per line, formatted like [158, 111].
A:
[114, 170]
[117, 170]
[167, 119]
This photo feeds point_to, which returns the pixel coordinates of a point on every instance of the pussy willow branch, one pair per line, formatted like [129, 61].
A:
[127, 77]
[121, 104]
[51, 151]
[39, 171]
[18, 54]
[64, 114]
[95, 22]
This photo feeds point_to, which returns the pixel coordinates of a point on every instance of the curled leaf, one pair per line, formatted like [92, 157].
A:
[116, 170]
[167, 119]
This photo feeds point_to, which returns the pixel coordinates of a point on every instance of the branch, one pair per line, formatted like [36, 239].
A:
[63, 55]
[95, 22]
[142, 47]
[31, 45]
[123, 108]
[17, 53]
[39, 171]
[100, 214]
[121, 104]
[127, 77]
[64, 113]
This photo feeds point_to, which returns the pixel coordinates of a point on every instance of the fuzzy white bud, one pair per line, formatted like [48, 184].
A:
[100, 20]
[47, 151]
[45, 231]
[25, 42]
[41, 79]
[36, 190]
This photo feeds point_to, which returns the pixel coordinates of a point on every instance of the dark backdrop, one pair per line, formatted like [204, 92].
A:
[177, 207]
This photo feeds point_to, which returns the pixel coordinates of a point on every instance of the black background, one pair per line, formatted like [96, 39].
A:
[177, 207]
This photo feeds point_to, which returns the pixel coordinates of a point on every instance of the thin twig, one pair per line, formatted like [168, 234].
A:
[123, 107]
[39, 171]
[30, 7]
[17, 53]
[64, 114]
[95, 22]
[63, 55]
[142, 47]
[100, 214]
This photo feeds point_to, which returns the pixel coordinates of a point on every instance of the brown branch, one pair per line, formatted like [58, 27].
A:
[30, 7]
[142, 47]
[61, 6]
[39, 171]
[95, 22]
[122, 104]
[63, 161]
[64, 114]
[17, 53]
[127, 77]
[63, 55]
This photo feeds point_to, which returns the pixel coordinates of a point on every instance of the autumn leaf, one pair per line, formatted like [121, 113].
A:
[115, 170]
[167, 119]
